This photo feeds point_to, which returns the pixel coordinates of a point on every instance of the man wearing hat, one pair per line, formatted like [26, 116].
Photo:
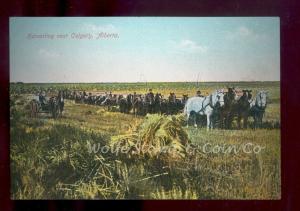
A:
[198, 94]
[150, 94]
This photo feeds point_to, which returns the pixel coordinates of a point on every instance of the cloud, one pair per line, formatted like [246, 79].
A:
[109, 28]
[48, 53]
[244, 32]
[188, 46]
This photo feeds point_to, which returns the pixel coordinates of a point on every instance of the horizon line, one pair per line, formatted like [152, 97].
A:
[143, 82]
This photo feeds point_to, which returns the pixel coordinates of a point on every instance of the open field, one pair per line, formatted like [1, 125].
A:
[53, 159]
[179, 88]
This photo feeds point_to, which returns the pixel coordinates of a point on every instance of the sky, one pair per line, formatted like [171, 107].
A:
[144, 49]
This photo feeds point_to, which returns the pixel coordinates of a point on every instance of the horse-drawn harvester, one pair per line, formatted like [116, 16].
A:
[51, 104]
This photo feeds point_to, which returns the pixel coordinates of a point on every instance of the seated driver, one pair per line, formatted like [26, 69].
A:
[198, 94]
[42, 97]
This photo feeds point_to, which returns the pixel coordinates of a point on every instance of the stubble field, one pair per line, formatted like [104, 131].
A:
[52, 158]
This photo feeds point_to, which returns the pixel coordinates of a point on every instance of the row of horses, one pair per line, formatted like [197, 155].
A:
[138, 104]
[220, 108]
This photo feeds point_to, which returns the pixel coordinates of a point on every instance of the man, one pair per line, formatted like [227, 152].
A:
[134, 96]
[149, 96]
[198, 94]
[42, 97]
[151, 93]
[110, 96]
[184, 99]
[172, 97]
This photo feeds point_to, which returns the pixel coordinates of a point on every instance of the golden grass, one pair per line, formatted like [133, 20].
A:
[158, 135]
[50, 159]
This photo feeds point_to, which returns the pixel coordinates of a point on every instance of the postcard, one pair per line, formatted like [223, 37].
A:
[145, 108]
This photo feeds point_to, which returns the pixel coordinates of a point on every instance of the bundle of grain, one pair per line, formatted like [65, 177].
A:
[158, 135]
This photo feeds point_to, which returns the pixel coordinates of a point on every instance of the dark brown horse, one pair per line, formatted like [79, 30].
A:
[243, 108]
[125, 104]
[140, 106]
[235, 106]
[149, 103]
[157, 103]
[227, 112]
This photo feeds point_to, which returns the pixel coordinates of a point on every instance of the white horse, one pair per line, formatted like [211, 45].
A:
[204, 106]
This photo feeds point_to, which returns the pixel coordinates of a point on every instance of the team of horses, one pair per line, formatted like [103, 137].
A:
[138, 104]
[223, 107]
[219, 109]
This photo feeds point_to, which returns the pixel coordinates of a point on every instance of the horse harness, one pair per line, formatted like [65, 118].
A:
[209, 104]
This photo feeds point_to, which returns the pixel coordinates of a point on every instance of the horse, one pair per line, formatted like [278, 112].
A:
[258, 107]
[172, 103]
[184, 99]
[157, 103]
[125, 103]
[149, 102]
[134, 102]
[61, 102]
[122, 104]
[204, 106]
[54, 107]
[128, 103]
[242, 108]
[226, 113]
[164, 106]
[99, 99]
[139, 106]
[110, 100]
[177, 105]
[79, 97]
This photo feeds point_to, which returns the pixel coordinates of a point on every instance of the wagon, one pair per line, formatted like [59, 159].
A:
[50, 105]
